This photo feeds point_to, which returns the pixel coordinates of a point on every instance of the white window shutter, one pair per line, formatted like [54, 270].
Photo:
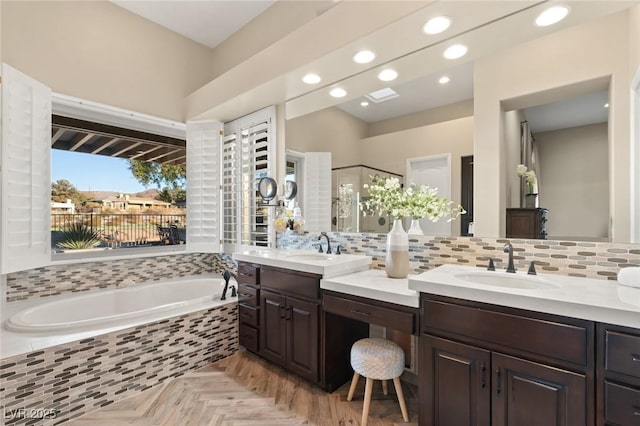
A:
[26, 172]
[203, 186]
[317, 191]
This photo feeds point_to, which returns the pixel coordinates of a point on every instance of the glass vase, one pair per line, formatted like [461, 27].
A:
[397, 256]
[415, 228]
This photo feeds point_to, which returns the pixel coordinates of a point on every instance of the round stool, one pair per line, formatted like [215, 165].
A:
[377, 359]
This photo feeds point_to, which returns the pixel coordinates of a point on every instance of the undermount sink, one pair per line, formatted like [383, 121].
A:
[497, 279]
[310, 256]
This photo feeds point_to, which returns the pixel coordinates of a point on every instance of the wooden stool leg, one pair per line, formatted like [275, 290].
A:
[385, 387]
[403, 406]
[367, 401]
[352, 388]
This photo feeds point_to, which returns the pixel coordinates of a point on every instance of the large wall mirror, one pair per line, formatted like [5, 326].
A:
[569, 122]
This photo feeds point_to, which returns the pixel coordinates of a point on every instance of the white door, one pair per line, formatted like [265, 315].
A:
[435, 172]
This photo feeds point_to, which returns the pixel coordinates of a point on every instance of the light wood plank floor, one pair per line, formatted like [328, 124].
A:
[245, 390]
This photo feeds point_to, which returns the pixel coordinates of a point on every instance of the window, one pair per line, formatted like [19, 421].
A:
[27, 136]
[248, 150]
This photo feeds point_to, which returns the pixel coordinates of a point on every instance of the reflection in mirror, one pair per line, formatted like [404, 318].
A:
[569, 154]
[347, 195]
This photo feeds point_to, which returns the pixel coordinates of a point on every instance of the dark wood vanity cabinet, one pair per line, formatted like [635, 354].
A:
[527, 223]
[618, 372]
[486, 365]
[289, 320]
[248, 305]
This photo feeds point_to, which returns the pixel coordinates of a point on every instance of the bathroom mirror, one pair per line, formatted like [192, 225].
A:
[267, 188]
[451, 127]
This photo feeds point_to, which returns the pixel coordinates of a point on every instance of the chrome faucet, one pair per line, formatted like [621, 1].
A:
[508, 248]
[324, 234]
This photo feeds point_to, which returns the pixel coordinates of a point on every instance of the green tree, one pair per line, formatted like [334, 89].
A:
[63, 190]
[170, 179]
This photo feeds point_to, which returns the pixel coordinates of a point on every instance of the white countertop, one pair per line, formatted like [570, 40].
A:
[327, 265]
[584, 298]
[374, 284]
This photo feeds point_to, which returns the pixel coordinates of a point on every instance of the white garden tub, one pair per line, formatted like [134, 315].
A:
[124, 306]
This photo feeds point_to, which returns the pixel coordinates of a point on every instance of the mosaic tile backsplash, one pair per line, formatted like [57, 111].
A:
[77, 277]
[62, 382]
[573, 258]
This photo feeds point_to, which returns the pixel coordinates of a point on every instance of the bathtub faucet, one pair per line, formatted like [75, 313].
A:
[227, 275]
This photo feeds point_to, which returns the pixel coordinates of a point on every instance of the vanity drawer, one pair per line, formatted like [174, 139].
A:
[248, 295]
[391, 318]
[292, 283]
[622, 353]
[249, 314]
[248, 273]
[622, 405]
[248, 337]
[505, 329]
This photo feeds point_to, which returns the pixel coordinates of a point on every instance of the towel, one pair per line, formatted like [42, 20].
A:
[629, 276]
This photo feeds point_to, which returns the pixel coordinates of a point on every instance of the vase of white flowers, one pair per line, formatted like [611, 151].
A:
[529, 176]
[387, 195]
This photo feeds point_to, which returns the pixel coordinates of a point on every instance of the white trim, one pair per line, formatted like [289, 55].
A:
[116, 254]
[634, 190]
[83, 109]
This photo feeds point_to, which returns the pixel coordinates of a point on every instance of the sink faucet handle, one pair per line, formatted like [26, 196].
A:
[319, 247]
[233, 291]
[491, 266]
[532, 268]
[338, 245]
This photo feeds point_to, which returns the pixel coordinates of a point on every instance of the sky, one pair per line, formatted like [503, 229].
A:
[89, 172]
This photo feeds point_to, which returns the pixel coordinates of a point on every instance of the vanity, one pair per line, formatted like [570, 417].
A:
[494, 348]
[513, 349]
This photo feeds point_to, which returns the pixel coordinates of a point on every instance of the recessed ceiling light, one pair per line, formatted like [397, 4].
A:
[388, 75]
[364, 103]
[312, 78]
[456, 51]
[436, 25]
[552, 15]
[338, 92]
[364, 56]
[444, 79]
[606, 105]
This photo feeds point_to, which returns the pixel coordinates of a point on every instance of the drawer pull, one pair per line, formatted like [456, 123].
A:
[635, 357]
[359, 312]
[483, 376]
[498, 382]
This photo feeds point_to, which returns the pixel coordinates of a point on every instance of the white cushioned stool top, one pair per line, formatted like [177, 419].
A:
[378, 359]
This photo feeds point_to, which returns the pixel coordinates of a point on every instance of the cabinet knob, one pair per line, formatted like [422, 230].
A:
[498, 382]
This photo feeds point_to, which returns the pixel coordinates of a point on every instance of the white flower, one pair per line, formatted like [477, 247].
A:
[521, 169]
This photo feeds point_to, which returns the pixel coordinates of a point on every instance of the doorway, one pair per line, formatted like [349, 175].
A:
[435, 172]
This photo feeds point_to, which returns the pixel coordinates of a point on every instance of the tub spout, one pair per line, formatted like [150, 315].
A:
[227, 276]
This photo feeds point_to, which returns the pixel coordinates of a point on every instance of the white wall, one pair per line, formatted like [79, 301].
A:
[574, 181]
[587, 52]
[634, 73]
[101, 52]
[390, 151]
[329, 130]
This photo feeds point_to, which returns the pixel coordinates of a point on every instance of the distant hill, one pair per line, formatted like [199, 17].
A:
[100, 195]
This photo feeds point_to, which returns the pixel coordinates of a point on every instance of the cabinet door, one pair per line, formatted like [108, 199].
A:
[303, 336]
[530, 394]
[455, 388]
[273, 327]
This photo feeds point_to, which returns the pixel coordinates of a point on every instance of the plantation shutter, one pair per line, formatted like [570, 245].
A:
[203, 186]
[249, 154]
[25, 173]
[317, 191]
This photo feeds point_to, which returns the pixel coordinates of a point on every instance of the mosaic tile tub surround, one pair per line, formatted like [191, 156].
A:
[58, 383]
[77, 277]
[573, 258]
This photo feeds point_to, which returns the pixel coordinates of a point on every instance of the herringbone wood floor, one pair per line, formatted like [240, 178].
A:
[245, 390]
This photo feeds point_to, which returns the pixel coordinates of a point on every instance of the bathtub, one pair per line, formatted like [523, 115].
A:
[120, 307]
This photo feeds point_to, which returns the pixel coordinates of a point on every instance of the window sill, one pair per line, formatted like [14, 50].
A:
[115, 254]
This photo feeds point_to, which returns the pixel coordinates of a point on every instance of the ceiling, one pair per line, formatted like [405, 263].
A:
[210, 22]
[574, 112]
[207, 22]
